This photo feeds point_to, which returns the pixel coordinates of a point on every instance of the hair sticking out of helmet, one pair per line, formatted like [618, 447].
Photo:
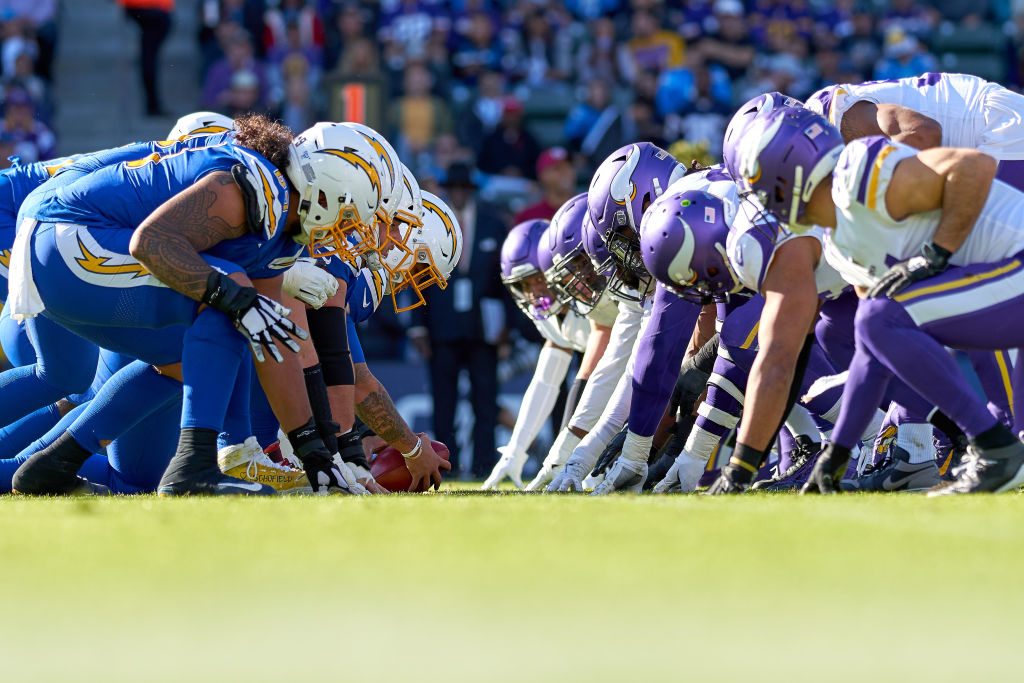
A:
[683, 238]
[435, 248]
[785, 156]
[335, 172]
[201, 123]
[571, 274]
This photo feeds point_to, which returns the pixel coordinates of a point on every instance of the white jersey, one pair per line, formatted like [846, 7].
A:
[754, 234]
[972, 111]
[867, 240]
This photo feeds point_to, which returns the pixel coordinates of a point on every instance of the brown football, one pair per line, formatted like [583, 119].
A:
[388, 467]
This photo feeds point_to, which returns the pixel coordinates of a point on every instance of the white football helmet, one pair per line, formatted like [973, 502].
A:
[334, 169]
[409, 215]
[435, 248]
[201, 123]
[390, 166]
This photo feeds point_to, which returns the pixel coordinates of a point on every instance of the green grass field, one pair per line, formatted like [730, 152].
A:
[508, 588]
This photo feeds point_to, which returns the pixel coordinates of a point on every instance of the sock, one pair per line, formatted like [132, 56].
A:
[9, 466]
[316, 389]
[213, 351]
[131, 394]
[196, 452]
[264, 423]
[15, 437]
[996, 436]
[916, 440]
[237, 421]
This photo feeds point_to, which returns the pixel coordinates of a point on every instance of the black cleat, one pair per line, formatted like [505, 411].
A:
[53, 471]
[989, 470]
[209, 482]
[899, 474]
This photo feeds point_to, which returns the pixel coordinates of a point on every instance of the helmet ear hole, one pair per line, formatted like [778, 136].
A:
[322, 199]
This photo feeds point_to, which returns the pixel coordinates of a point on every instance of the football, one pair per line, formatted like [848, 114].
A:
[388, 467]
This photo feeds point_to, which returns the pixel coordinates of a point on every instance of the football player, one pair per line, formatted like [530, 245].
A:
[931, 241]
[206, 218]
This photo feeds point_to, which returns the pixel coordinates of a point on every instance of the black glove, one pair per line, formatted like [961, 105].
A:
[611, 452]
[932, 261]
[318, 464]
[732, 479]
[828, 471]
[259, 318]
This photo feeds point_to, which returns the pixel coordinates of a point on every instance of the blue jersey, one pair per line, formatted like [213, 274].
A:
[364, 286]
[120, 188]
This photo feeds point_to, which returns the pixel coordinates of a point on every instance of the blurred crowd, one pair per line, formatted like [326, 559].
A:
[28, 36]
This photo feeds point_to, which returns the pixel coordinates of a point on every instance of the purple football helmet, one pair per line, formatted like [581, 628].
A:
[682, 238]
[624, 185]
[604, 265]
[784, 157]
[752, 110]
[521, 272]
[570, 272]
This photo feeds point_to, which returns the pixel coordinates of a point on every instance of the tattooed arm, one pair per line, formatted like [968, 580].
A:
[375, 407]
[169, 241]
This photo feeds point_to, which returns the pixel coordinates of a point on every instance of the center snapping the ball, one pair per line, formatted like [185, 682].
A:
[388, 467]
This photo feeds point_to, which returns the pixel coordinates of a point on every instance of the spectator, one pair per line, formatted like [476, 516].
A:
[510, 149]
[477, 51]
[729, 44]
[903, 57]
[359, 58]
[279, 21]
[598, 58]
[19, 73]
[154, 20]
[239, 56]
[293, 58]
[420, 117]
[22, 135]
[861, 47]
[406, 30]
[910, 18]
[36, 21]
[651, 47]
[243, 95]
[460, 328]
[596, 111]
[557, 178]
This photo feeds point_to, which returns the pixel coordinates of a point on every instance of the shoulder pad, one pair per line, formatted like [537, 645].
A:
[266, 197]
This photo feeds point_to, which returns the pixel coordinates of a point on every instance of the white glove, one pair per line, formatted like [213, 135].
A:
[625, 475]
[509, 465]
[592, 481]
[265, 320]
[350, 477]
[569, 479]
[308, 283]
[683, 476]
[560, 451]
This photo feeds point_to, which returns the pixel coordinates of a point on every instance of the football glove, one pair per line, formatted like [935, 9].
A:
[932, 260]
[569, 479]
[624, 475]
[309, 284]
[732, 479]
[259, 318]
[828, 471]
[611, 452]
[509, 465]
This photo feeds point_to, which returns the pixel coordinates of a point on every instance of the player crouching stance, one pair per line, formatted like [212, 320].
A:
[899, 218]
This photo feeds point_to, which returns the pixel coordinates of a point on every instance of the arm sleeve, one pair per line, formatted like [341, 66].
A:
[603, 380]
[659, 355]
[539, 399]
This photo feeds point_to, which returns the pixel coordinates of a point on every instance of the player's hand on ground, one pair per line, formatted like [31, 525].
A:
[426, 466]
[510, 465]
[264, 322]
[364, 477]
[354, 485]
[670, 482]
[570, 478]
[732, 479]
[827, 473]
[308, 283]
[325, 477]
[624, 475]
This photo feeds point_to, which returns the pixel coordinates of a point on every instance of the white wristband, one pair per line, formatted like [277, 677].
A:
[415, 452]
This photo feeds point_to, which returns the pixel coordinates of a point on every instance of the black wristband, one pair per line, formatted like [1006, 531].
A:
[307, 444]
[747, 458]
[227, 296]
[350, 448]
[935, 254]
